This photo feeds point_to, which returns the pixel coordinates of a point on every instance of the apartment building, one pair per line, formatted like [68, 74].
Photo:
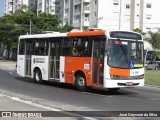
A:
[76, 13]
[150, 17]
[67, 12]
[103, 14]
[50, 6]
[8, 7]
[112, 14]
[12, 5]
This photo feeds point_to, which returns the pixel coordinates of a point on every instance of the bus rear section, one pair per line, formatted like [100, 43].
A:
[100, 59]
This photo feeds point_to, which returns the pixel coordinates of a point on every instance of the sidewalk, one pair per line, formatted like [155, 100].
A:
[12, 104]
[8, 64]
[11, 107]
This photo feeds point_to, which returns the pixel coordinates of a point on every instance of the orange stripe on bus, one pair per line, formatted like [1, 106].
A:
[87, 33]
[119, 72]
[74, 64]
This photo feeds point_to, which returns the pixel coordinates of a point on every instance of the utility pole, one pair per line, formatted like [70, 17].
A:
[30, 26]
[81, 27]
[120, 10]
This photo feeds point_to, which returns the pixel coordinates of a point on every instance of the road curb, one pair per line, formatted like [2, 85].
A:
[153, 86]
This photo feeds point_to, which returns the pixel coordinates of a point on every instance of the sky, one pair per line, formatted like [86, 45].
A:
[1, 7]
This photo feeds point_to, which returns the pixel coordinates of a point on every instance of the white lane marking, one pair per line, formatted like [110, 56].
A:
[10, 73]
[2, 68]
[10, 69]
[31, 103]
[39, 105]
[7, 69]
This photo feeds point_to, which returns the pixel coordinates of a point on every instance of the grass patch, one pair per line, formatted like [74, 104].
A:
[152, 77]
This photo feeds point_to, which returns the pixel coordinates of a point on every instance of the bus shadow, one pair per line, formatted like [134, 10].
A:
[95, 91]
[24, 79]
[47, 83]
[107, 92]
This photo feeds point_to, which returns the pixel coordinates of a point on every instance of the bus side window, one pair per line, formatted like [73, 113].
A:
[41, 47]
[75, 48]
[85, 48]
[21, 47]
[67, 45]
[80, 46]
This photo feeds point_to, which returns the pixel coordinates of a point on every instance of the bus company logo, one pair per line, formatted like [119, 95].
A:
[39, 60]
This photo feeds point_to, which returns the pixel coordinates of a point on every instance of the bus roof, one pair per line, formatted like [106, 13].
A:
[87, 33]
[69, 34]
[114, 34]
[48, 35]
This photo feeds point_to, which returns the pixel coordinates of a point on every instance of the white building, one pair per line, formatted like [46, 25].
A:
[104, 14]
[112, 14]
[150, 19]
[50, 6]
[67, 12]
[8, 6]
[77, 13]
[12, 5]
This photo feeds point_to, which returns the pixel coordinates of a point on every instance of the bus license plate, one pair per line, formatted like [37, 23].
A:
[129, 83]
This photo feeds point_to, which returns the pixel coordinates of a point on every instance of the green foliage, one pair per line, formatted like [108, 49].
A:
[65, 28]
[152, 77]
[139, 31]
[155, 39]
[19, 23]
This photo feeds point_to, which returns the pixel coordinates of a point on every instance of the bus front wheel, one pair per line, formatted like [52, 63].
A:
[38, 76]
[80, 83]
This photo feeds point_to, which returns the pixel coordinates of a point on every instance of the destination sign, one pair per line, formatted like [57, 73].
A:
[125, 35]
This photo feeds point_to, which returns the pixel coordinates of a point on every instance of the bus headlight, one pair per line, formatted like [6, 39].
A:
[141, 76]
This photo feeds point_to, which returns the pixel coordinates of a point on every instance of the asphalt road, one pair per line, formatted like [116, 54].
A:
[65, 97]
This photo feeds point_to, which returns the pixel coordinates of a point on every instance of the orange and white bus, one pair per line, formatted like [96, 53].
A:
[107, 59]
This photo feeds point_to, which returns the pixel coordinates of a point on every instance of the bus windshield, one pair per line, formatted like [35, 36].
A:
[125, 54]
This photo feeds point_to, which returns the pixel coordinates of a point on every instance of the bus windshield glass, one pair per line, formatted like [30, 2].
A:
[125, 54]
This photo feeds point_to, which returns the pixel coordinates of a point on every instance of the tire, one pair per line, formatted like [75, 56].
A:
[80, 82]
[38, 76]
[113, 90]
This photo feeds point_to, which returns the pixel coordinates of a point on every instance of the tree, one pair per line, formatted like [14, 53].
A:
[155, 38]
[20, 22]
[65, 28]
[139, 31]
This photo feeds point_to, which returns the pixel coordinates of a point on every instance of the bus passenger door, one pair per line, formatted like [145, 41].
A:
[98, 63]
[28, 53]
[54, 60]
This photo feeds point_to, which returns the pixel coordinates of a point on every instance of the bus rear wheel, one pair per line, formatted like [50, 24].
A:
[38, 76]
[80, 82]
